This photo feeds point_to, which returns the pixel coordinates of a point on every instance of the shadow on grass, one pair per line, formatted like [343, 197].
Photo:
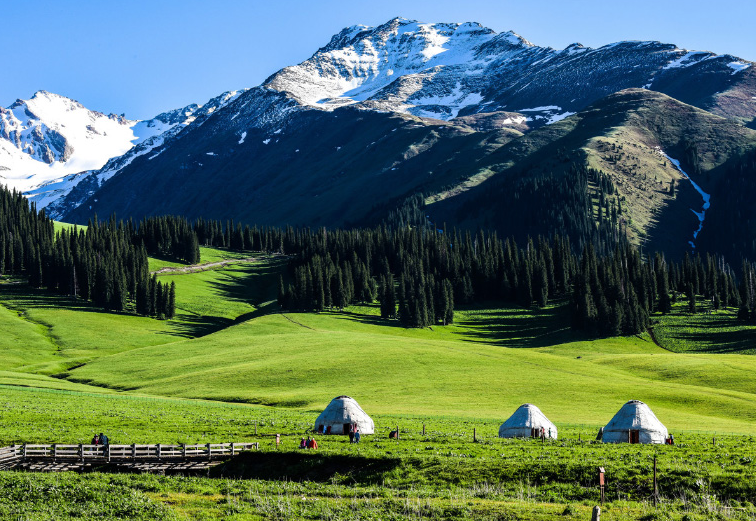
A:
[306, 466]
[519, 327]
[258, 285]
[505, 326]
[20, 297]
[719, 334]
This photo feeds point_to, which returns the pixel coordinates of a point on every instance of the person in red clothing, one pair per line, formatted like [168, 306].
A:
[313, 444]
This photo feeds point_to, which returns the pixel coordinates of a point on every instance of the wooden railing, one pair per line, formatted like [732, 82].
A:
[121, 453]
[8, 456]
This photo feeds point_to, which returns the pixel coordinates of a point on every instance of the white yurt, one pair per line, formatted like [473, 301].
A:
[342, 412]
[527, 422]
[634, 423]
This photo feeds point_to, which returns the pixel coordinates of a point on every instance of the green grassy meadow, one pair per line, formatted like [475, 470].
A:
[231, 367]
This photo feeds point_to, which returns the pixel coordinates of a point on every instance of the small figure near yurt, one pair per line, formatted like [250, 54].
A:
[635, 423]
[342, 416]
[528, 422]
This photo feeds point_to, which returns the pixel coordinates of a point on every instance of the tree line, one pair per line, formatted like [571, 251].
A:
[418, 276]
[105, 263]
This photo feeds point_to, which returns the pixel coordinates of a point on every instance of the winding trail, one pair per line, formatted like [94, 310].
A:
[201, 267]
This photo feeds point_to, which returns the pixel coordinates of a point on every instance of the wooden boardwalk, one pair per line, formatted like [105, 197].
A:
[139, 457]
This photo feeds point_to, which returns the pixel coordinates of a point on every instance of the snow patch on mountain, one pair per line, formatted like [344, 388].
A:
[737, 66]
[706, 198]
[687, 59]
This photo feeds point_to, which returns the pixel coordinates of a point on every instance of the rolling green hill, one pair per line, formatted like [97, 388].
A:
[228, 343]
[230, 367]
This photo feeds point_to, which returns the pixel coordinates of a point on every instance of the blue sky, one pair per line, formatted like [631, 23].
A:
[142, 57]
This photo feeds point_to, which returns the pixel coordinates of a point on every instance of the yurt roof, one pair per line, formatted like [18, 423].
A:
[528, 415]
[635, 415]
[345, 409]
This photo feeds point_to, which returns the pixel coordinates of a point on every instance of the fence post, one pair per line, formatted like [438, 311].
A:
[475, 436]
[656, 488]
[81, 452]
[23, 448]
[107, 452]
[55, 452]
[233, 452]
[183, 450]
[133, 451]
[209, 453]
[159, 451]
[423, 429]
[397, 432]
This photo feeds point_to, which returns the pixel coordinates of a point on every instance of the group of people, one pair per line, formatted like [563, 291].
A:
[100, 439]
[354, 433]
[310, 443]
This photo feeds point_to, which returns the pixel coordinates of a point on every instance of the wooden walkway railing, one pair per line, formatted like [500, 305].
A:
[121, 453]
[8, 457]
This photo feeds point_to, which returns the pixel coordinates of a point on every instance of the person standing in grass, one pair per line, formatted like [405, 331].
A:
[356, 434]
[351, 433]
[96, 440]
[103, 440]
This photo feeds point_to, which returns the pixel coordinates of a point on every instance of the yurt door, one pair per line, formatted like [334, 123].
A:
[634, 436]
[347, 426]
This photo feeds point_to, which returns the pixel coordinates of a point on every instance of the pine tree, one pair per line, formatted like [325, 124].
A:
[159, 301]
[171, 308]
[281, 292]
[690, 293]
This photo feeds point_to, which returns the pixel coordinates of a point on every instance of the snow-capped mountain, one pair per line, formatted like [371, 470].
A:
[49, 136]
[462, 73]
[445, 70]
[62, 194]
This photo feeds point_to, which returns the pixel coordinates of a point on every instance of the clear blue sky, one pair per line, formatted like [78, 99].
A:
[142, 57]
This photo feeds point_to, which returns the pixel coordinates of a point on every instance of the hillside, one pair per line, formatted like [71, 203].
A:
[632, 137]
[231, 367]
[228, 343]
[380, 118]
[318, 168]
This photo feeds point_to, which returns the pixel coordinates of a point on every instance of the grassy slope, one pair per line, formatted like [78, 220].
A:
[472, 374]
[487, 363]
[303, 360]
[46, 333]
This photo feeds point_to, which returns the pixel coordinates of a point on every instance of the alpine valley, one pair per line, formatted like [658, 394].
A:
[427, 124]
[520, 280]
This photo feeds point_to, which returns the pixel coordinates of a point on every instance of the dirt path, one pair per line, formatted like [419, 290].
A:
[201, 267]
[295, 322]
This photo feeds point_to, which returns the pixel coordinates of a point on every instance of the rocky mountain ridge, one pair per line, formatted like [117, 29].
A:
[383, 117]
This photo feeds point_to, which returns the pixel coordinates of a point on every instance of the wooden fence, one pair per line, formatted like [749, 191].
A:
[8, 457]
[121, 453]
